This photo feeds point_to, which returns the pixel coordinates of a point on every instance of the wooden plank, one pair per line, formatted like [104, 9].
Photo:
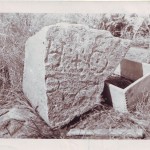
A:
[122, 132]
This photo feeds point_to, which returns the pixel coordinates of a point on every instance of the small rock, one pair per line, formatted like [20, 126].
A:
[14, 126]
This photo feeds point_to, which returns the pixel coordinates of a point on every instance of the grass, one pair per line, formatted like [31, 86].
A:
[35, 126]
[100, 117]
[15, 30]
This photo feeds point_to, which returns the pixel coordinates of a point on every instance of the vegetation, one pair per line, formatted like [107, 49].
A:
[16, 28]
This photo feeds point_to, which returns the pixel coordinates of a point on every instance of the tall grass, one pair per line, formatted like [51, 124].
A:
[16, 28]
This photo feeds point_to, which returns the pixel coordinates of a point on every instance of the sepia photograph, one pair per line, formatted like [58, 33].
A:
[75, 75]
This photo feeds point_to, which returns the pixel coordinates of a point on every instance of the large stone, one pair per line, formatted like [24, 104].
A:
[65, 68]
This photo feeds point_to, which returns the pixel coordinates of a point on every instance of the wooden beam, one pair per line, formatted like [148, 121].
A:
[122, 132]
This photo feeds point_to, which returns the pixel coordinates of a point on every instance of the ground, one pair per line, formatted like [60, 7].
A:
[19, 120]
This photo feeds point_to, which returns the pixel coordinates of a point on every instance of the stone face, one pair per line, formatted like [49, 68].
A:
[14, 126]
[65, 68]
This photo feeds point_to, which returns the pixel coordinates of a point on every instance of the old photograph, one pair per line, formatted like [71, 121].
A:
[75, 75]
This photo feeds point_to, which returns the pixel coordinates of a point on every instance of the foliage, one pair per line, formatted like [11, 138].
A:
[16, 28]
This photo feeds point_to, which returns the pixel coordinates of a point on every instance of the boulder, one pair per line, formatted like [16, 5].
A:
[65, 68]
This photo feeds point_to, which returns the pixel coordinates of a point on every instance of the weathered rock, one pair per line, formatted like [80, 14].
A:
[14, 126]
[13, 122]
[65, 67]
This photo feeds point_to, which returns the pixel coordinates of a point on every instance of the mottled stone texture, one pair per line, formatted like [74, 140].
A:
[67, 79]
